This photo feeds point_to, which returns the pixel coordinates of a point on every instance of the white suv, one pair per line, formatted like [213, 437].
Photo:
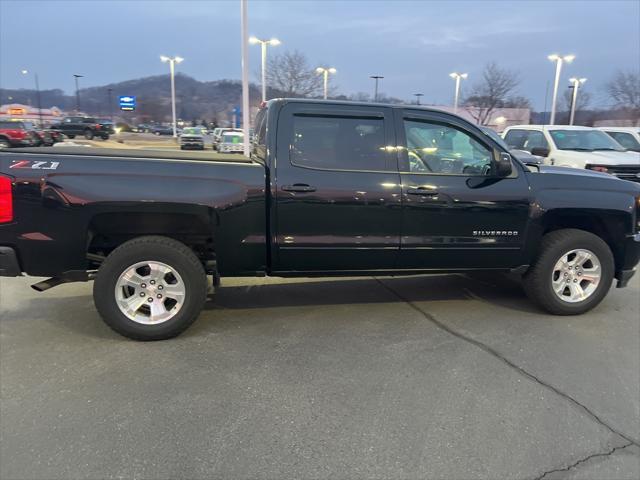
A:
[628, 137]
[577, 147]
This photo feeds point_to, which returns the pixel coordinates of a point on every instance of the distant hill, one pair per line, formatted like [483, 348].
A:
[195, 100]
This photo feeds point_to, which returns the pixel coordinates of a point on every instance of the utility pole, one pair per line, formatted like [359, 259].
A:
[418, 95]
[109, 90]
[375, 91]
[76, 76]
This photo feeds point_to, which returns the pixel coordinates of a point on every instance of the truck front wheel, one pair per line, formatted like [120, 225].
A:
[88, 134]
[150, 288]
[572, 274]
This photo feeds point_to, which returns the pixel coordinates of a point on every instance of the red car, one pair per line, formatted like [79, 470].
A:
[17, 134]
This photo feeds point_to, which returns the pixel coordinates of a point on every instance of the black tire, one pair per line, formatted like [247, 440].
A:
[88, 134]
[71, 136]
[151, 248]
[4, 143]
[181, 147]
[538, 283]
[105, 137]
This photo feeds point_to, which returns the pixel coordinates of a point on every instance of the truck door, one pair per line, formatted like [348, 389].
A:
[456, 213]
[338, 205]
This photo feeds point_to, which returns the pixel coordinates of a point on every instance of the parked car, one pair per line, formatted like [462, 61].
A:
[343, 198]
[89, 127]
[162, 130]
[217, 134]
[17, 134]
[56, 135]
[577, 147]
[522, 155]
[191, 137]
[628, 137]
[231, 142]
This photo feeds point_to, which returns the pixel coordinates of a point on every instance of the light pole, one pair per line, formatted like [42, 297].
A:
[418, 95]
[244, 62]
[25, 72]
[76, 76]
[109, 90]
[576, 82]
[457, 77]
[375, 91]
[263, 47]
[325, 71]
[558, 59]
[172, 69]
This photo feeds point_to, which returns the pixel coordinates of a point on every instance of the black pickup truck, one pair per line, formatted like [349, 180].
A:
[88, 127]
[331, 188]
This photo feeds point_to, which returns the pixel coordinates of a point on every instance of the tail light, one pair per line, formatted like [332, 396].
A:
[98, 126]
[6, 200]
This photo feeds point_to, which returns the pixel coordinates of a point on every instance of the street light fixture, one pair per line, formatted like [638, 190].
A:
[375, 92]
[325, 71]
[575, 82]
[457, 77]
[263, 46]
[418, 95]
[76, 76]
[24, 71]
[172, 62]
[559, 59]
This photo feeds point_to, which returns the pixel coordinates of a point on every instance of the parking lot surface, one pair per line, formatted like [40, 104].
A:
[418, 377]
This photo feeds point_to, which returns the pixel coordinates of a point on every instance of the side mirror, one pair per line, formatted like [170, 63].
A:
[540, 151]
[503, 166]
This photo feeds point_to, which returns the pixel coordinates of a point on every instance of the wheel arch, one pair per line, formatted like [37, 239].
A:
[192, 225]
[609, 225]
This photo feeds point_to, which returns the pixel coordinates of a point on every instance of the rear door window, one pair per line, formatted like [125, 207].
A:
[338, 142]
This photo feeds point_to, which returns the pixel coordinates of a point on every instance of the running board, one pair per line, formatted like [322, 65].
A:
[66, 277]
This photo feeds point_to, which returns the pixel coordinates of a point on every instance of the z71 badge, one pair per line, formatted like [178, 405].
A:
[34, 165]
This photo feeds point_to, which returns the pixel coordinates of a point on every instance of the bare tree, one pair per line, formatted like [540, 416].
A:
[495, 90]
[584, 99]
[624, 90]
[290, 73]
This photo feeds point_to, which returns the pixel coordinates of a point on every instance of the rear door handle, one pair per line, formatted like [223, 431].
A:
[426, 192]
[298, 187]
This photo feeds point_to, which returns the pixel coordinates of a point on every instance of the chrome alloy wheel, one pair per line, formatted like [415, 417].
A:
[150, 292]
[576, 275]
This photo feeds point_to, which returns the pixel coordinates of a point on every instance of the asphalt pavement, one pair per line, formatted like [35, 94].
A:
[439, 377]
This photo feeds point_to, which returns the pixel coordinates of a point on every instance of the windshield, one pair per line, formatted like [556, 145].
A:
[232, 138]
[191, 131]
[584, 140]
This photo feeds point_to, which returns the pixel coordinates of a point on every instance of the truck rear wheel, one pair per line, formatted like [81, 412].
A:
[572, 273]
[150, 288]
[88, 134]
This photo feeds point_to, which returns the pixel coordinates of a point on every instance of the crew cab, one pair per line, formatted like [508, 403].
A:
[88, 127]
[577, 147]
[17, 134]
[330, 188]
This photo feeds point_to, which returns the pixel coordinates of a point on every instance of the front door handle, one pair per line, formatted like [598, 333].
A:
[426, 192]
[298, 187]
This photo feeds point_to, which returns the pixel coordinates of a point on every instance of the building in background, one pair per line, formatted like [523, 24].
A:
[17, 111]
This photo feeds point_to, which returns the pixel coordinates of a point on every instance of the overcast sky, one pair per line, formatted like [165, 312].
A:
[414, 44]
